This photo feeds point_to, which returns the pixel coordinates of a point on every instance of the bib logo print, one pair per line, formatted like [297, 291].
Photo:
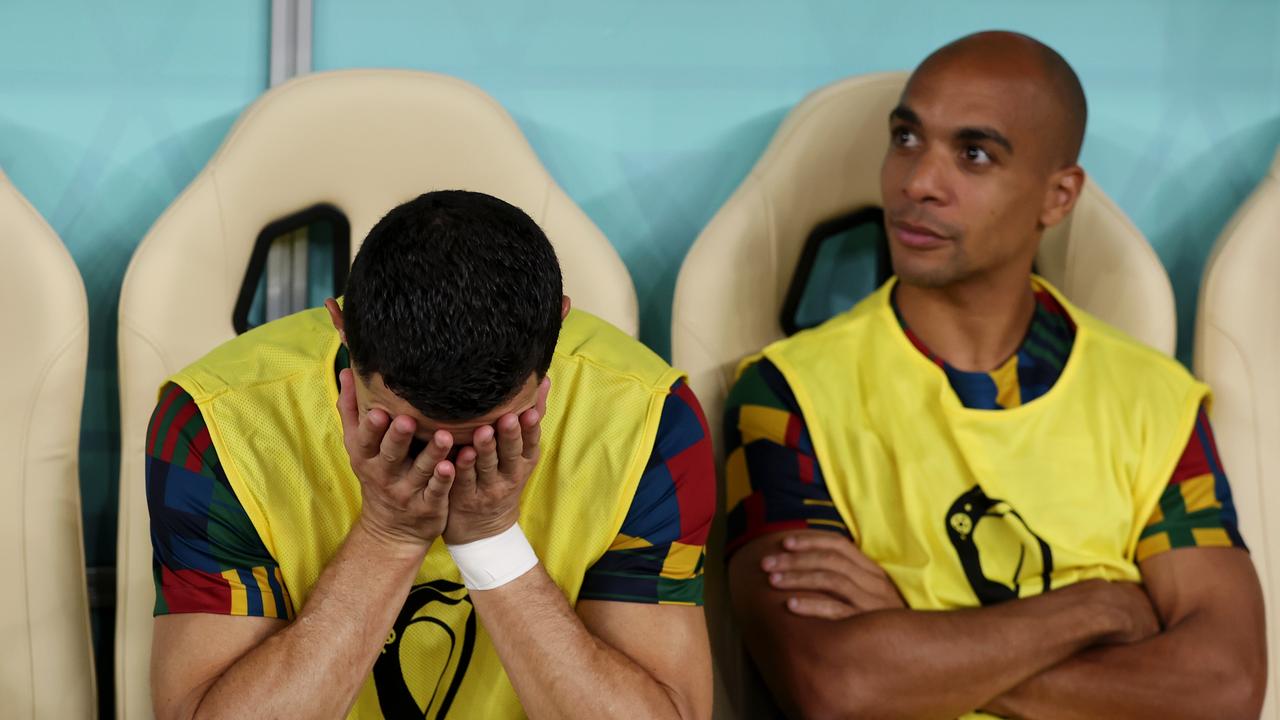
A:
[427, 653]
[998, 550]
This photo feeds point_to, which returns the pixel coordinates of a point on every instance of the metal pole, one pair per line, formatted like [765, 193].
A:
[286, 269]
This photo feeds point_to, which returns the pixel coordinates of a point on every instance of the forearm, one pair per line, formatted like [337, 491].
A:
[316, 665]
[558, 668]
[905, 663]
[1188, 671]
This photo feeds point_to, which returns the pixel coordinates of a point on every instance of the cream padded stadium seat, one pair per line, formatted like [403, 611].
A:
[363, 141]
[46, 667]
[1236, 349]
[824, 163]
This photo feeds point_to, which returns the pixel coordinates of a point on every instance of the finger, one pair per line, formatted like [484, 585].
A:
[510, 443]
[347, 409]
[833, 543]
[819, 607]
[809, 560]
[834, 574]
[436, 493]
[531, 430]
[484, 441]
[816, 580]
[465, 482]
[435, 451]
[395, 443]
[370, 431]
[544, 389]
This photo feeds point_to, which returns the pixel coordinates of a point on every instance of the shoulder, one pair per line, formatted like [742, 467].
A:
[845, 336]
[1147, 365]
[588, 344]
[760, 383]
[270, 352]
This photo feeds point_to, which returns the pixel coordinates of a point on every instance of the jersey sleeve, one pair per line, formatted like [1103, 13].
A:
[773, 480]
[207, 557]
[1196, 509]
[658, 554]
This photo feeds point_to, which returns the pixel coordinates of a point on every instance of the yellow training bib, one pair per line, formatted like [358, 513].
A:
[269, 400]
[965, 507]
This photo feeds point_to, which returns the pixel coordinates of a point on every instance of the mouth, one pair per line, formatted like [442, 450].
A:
[917, 237]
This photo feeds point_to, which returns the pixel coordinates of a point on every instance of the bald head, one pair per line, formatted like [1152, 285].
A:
[1016, 56]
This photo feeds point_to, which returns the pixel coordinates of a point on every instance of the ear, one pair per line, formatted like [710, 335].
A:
[564, 306]
[335, 316]
[1061, 195]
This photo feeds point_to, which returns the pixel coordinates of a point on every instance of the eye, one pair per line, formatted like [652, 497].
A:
[977, 155]
[903, 137]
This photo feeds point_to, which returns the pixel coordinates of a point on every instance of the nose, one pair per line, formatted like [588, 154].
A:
[925, 179]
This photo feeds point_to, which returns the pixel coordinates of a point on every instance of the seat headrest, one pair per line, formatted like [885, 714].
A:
[363, 141]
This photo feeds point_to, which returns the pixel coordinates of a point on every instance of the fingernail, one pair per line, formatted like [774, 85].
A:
[769, 562]
[793, 603]
[775, 578]
[789, 542]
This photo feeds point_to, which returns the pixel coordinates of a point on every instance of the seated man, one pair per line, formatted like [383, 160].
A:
[300, 475]
[965, 440]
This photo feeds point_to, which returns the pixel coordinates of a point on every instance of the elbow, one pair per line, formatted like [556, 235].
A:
[1240, 686]
[813, 699]
[816, 695]
[1250, 689]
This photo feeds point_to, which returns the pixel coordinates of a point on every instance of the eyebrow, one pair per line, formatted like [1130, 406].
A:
[979, 134]
[967, 134]
[905, 114]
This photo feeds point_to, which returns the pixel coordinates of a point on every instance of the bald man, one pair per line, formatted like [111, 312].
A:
[966, 495]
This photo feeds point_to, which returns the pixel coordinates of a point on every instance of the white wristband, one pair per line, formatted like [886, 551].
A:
[494, 561]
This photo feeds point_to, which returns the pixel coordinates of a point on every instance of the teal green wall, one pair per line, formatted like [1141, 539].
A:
[108, 110]
[649, 114]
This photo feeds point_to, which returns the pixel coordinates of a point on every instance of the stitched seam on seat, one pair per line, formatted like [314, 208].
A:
[40, 383]
[1253, 428]
[125, 520]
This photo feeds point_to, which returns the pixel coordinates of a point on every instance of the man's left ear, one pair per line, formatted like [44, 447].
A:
[335, 316]
[564, 306]
[1063, 192]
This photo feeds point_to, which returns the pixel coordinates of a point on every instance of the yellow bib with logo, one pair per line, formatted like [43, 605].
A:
[269, 400]
[966, 507]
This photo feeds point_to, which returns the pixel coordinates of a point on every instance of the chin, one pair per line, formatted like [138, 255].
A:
[931, 269]
[925, 272]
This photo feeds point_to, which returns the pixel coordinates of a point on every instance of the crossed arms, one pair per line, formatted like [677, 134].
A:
[834, 639]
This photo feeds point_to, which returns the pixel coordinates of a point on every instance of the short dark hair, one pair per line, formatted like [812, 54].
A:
[454, 299]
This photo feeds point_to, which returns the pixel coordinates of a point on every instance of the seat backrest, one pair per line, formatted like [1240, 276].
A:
[362, 141]
[46, 669]
[1236, 345]
[822, 164]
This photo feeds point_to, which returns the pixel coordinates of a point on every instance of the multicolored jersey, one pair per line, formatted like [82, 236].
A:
[774, 482]
[209, 558]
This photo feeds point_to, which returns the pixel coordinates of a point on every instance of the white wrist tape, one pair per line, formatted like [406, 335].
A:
[494, 561]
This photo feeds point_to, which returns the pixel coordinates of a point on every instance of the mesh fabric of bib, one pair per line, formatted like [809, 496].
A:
[269, 400]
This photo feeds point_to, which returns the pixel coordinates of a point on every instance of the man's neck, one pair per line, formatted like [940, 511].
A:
[974, 326]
